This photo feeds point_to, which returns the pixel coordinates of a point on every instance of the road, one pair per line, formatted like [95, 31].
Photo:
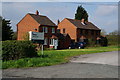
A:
[98, 65]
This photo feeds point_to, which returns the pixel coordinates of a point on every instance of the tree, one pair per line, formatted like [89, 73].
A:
[14, 37]
[114, 32]
[81, 13]
[6, 30]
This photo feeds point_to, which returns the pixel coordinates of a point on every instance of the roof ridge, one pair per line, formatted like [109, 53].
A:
[36, 14]
[76, 23]
[74, 19]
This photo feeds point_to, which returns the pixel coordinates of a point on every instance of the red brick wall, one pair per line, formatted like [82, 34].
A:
[69, 28]
[25, 25]
[29, 24]
[75, 32]
[88, 35]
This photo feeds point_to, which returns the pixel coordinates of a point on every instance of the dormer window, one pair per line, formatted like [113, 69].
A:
[45, 29]
[83, 23]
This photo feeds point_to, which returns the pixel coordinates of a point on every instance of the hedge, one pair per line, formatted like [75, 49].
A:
[13, 50]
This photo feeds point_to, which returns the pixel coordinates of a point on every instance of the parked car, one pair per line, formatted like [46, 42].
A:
[72, 46]
[79, 45]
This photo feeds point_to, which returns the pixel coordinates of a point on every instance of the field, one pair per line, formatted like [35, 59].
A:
[54, 57]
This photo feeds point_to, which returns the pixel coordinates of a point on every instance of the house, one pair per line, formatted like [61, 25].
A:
[64, 40]
[78, 29]
[40, 23]
[36, 23]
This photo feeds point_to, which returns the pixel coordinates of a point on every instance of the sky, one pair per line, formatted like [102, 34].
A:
[102, 14]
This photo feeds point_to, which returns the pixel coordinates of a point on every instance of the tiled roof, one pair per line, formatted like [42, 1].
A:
[60, 36]
[43, 20]
[78, 24]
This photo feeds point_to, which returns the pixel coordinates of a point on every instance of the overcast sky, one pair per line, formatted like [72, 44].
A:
[103, 15]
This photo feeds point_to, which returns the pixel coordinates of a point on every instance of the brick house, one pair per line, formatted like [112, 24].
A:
[40, 23]
[78, 29]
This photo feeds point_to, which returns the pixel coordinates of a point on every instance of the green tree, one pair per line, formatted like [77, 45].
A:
[81, 13]
[14, 37]
[114, 32]
[7, 32]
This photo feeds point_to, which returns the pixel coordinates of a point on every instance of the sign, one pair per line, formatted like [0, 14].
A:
[36, 35]
[38, 41]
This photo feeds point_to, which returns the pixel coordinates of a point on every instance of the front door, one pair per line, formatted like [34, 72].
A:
[54, 43]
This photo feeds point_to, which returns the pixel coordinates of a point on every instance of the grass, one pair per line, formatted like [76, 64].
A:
[53, 57]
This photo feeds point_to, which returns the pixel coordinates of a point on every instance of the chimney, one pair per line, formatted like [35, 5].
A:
[37, 13]
[58, 21]
[83, 20]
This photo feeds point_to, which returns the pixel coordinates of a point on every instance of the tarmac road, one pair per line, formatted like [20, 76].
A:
[98, 65]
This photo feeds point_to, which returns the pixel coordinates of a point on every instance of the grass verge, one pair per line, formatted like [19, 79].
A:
[53, 57]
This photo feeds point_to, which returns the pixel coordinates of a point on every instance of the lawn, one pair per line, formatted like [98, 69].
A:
[53, 57]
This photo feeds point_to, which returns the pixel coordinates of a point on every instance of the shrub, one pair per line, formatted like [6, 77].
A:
[13, 50]
[104, 41]
[113, 39]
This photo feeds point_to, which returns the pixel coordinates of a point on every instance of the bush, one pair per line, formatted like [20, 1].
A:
[103, 41]
[13, 50]
[113, 39]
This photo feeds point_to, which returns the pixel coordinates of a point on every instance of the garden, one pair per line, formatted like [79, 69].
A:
[23, 54]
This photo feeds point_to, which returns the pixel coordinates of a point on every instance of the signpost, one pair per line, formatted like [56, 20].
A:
[37, 37]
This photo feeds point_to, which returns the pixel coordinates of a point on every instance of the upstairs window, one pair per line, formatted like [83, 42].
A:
[92, 32]
[86, 32]
[83, 23]
[53, 30]
[63, 30]
[81, 32]
[45, 29]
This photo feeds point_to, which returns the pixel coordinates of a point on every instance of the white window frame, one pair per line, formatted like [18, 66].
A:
[53, 30]
[83, 23]
[52, 42]
[45, 29]
[45, 41]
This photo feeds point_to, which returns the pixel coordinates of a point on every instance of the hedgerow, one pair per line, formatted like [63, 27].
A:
[13, 50]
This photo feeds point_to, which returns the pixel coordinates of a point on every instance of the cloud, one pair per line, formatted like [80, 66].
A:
[105, 17]
[105, 10]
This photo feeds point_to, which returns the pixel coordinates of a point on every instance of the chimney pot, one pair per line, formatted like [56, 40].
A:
[37, 13]
[83, 20]
[58, 21]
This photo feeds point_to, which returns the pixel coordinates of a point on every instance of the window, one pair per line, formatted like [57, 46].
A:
[86, 32]
[63, 30]
[81, 32]
[83, 23]
[45, 41]
[51, 41]
[45, 29]
[53, 30]
[97, 33]
[92, 32]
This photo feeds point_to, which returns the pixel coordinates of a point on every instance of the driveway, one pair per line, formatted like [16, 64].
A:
[98, 65]
[109, 58]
